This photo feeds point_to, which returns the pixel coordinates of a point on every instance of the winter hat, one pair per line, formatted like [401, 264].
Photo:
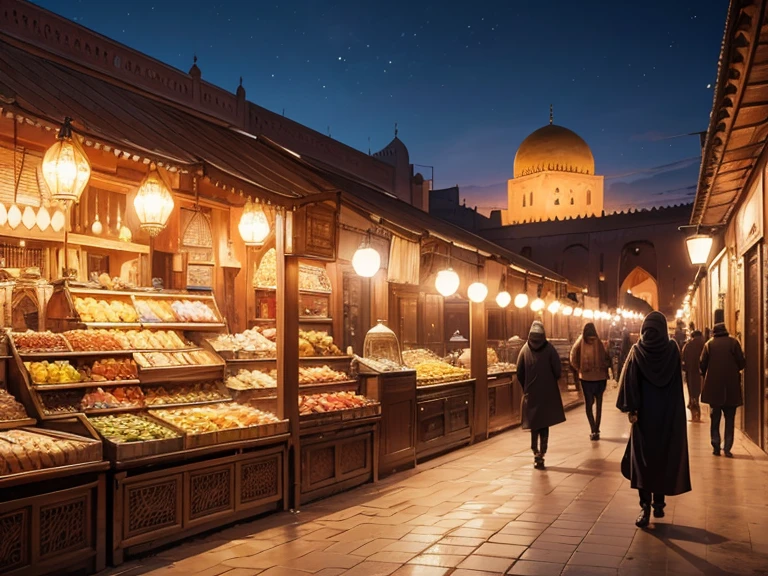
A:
[719, 316]
[537, 327]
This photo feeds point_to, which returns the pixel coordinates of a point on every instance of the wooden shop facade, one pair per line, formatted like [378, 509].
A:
[202, 325]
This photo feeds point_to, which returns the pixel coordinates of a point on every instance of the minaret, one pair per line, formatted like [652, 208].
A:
[551, 115]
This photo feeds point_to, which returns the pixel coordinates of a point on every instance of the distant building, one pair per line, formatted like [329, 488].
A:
[555, 218]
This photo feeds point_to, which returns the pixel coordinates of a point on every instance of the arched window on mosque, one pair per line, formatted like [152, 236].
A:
[589, 197]
[571, 195]
[530, 202]
[557, 196]
[523, 199]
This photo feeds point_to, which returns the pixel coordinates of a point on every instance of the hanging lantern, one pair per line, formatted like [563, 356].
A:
[503, 299]
[366, 260]
[96, 227]
[567, 310]
[577, 312]
[153, 202]
[253, 226]
[14, 217]
[521, 300]
[43, 219]
[66, 169]
[553, 307]
[537, 305]
[58, 220]
[699, 246]
[588, 314]
[477, 292]
[3, 215]
[447, 282]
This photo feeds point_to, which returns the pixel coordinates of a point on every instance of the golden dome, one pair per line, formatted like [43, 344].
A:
[553, 148]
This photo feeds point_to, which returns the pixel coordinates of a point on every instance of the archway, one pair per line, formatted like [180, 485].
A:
[640, 285]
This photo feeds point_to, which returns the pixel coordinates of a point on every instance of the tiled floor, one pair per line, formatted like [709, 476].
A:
[484, 510]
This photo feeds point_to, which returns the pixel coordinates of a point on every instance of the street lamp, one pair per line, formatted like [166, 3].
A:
[699, 246]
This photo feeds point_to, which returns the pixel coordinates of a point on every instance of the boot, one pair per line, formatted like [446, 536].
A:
[538, 461]
[658, 510]
[645, 516]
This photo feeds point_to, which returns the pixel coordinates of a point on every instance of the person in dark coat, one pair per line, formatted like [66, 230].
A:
[722, 361]
[538, 370]
[691, 356]
[651, 392]
[590, 360]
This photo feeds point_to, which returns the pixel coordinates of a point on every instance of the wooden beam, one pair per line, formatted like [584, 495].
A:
[479, 367]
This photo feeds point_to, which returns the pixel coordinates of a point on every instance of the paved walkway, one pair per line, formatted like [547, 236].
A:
[485, 511]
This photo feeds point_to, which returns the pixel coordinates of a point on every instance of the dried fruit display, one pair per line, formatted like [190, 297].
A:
[192, 358]
[10, 408]
[330, 402]
[150, 340]
[25, 450]
[491, 357]
[30, 342]
[500, 367]
[60, 401]
[59, 372]
[251, 341]
[413, 358]
[110, 369]
[251, 379]
[317, 343]
[92, 340]
[183, 394]
[91, 310]
[121, 397]
[193, 311]
[320, 374]
[130, 428]
[200, 419]
[437, 372]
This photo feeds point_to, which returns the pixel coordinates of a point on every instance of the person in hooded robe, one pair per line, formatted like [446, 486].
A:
[721, 363]
[691, 356]
[651, 393]
[590, 360]
[538, 370]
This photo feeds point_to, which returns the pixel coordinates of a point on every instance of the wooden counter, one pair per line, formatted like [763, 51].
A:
[396, 391]
[444, 417]
[504, 396]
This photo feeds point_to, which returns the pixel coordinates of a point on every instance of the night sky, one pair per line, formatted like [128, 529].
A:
[465, 81]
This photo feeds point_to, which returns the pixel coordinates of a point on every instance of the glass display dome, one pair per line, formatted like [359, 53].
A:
[382, 344]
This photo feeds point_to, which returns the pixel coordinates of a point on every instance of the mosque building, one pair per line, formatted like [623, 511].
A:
[555, 216]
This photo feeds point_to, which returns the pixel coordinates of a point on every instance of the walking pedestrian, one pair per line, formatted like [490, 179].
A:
[538, 370]
[691, 356]
[651, 393]
[721, 364]
[590, 360]
[626, 346]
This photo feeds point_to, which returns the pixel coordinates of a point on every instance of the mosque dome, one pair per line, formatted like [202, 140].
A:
[553, 148]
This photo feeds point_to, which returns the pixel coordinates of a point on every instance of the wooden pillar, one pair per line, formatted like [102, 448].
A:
[479, 350]
[288, 353]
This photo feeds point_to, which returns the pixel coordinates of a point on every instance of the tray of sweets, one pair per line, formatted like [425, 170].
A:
[39, 342]
[130, 436]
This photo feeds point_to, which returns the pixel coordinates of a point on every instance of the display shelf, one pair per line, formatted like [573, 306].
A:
[181, 374]
[444, 417]
[21, 422]
[63, 355]
[337, 386]
[84, 384]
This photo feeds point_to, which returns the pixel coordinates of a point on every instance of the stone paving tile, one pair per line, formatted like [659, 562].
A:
[484, 511]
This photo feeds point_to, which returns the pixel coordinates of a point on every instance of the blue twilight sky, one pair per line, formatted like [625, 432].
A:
[465, 81]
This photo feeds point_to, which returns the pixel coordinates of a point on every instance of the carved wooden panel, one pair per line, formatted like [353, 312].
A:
[260, 480]
[14, 540]
[314, 232]
[211, 491]
[353, 456]
[491, 402]
[64, 526]
[152, 505]
[322, 465]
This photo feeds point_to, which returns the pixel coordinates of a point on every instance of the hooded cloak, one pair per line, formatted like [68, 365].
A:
[651, 386]
[538, 370]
